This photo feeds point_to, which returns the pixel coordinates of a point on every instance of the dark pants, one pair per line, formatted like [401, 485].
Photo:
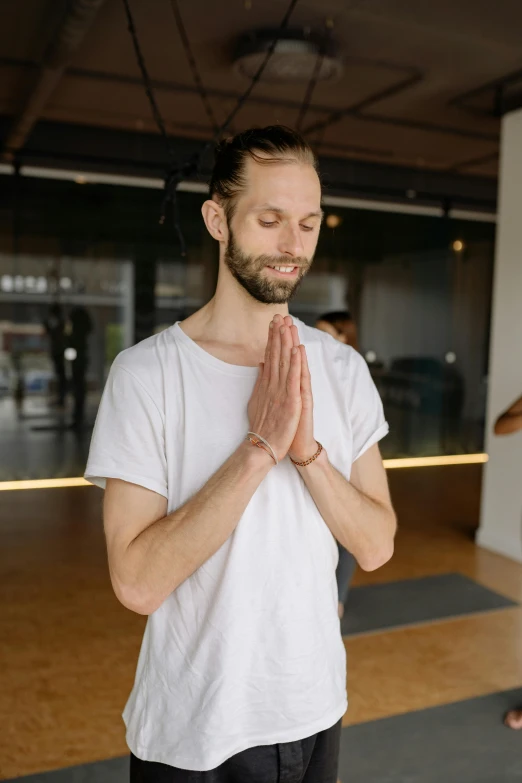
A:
[312, 760]
[345, 571]
[61, 378]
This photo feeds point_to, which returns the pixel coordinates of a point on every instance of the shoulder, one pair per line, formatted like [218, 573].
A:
[320, 345]
[146, 362]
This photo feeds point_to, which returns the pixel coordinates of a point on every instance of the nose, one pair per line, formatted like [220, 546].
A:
[291, 241]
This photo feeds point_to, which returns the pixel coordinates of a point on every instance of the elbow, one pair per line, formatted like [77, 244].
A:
[376, 559]
[135, 599]
[503, 427]
[145, 608]
[382, 552]
[498, 429]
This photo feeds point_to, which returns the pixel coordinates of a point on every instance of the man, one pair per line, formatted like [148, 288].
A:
[225, 542]
[341, 325]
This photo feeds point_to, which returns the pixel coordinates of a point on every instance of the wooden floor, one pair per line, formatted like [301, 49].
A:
[68, 650]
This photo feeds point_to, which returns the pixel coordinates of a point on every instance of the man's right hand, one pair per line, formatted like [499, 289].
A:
[274, 409]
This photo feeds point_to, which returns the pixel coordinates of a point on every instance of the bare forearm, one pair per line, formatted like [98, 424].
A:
[365, 527]
[171, 549]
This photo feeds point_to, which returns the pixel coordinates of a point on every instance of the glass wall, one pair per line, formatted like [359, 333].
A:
[419, 289]
[86, 270]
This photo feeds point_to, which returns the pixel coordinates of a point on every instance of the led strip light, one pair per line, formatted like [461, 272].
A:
[389, 464]
[157, 183]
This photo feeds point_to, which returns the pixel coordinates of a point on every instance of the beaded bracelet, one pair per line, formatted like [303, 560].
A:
[308, 461]
[261, 443]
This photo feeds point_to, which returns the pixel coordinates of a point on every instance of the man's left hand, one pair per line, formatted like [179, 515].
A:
[304, 444]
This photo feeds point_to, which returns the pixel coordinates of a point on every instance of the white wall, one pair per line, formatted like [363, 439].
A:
[501, 511]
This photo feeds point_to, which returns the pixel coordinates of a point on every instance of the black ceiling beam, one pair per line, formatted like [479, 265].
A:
[501, 101]
[356, 108]
[430, 127]
[473, 162]
[74, 25]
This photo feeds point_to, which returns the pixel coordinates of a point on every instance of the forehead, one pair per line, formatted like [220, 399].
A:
[292, 187]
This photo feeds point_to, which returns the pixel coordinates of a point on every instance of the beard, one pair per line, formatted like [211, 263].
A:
[248, 271]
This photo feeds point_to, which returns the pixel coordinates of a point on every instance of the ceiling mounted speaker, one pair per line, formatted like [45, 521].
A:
[294, 59]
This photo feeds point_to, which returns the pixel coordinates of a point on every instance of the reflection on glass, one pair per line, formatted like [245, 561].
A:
[85, 271]
[58, 339]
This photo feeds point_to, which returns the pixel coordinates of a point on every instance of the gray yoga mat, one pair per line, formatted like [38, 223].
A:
[464, 742]
[110, 771]
[411, 601]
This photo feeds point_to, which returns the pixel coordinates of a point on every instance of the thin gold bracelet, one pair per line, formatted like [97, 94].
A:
[308, 461]
[261, 443]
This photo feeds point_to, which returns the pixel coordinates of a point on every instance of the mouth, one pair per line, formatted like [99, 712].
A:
[288, 271]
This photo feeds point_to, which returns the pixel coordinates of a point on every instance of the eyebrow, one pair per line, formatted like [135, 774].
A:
[279, 211]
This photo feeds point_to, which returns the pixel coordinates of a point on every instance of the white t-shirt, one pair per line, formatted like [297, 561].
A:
[248, 650]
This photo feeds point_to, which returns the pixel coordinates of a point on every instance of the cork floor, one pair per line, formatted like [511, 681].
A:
[69, 650]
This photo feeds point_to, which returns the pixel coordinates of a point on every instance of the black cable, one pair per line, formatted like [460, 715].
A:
[259, 71]
[191, 167]
[318, 141]
[310, 89]
[177, 225]
[177, 172]
[192, 62]
[146, 79]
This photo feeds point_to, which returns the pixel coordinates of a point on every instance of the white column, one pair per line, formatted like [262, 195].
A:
[501, 510]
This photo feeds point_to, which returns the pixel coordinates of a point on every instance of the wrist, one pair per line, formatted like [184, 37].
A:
[320, 462]
[305, 453]
[255, 458]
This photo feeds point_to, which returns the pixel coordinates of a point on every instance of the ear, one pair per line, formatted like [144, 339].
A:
[215, 220]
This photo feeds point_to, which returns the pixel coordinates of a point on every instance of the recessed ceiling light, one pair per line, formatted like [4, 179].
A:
[295, 57]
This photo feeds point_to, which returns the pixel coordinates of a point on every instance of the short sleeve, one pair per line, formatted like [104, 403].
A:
[128, 440]
[364, 407]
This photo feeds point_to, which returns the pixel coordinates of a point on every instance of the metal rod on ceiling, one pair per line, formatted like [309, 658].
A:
[497, 85]
[388, 92]
[198, 81]
[174, 87]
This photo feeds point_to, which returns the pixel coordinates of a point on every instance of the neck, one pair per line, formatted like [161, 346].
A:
[233, 317]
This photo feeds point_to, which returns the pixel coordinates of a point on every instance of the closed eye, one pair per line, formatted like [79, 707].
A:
[308, 228]
[267, 224]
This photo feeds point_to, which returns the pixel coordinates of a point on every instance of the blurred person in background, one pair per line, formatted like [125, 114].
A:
[340, 324]
[55, 327]
[19, 389]
[80, 327]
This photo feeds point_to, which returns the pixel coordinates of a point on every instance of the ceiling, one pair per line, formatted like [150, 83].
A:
[407, 64]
